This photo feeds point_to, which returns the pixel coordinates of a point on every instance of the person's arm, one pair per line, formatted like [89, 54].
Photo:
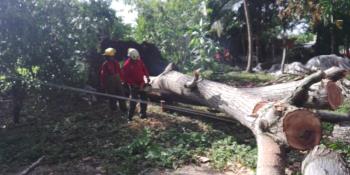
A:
[145, 71]
[126, 71]
[119, 71]
[102, 73]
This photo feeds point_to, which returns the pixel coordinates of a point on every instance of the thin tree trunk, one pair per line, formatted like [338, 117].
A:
[332, 34]
[283, 59]
[284, 54]
[273, 52]
[346, 46]
[249, 54]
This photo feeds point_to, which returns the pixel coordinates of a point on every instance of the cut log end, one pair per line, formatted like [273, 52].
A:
[258, 106]
[302, 129]
[334, 95]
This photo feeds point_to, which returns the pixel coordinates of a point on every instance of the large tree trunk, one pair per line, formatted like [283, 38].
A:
[276, 124]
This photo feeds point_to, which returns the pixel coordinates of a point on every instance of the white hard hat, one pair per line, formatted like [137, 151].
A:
[133, 54]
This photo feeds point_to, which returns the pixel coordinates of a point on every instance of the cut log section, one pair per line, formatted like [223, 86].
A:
[302, 129]
[323, 161]
[325, 95]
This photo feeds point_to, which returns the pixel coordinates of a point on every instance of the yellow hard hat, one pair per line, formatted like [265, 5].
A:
[110, 52]
[133, 53]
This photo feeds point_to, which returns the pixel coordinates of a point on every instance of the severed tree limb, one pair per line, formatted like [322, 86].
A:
[323, 161]
[32, 166]
[300, 94]
[195, 80]
[335, 73]
[332, 117]
[322, 95]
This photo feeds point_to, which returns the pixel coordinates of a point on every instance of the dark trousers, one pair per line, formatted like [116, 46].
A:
[114, 87]
[136, 93]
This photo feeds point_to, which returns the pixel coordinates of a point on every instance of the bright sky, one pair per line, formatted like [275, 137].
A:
[124, 11]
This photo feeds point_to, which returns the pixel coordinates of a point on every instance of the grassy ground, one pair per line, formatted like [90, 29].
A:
[80, 139]
[75, 136]
[81, 136]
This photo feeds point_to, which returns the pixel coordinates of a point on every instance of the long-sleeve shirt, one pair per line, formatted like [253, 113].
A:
[110, 68]
[134, 71]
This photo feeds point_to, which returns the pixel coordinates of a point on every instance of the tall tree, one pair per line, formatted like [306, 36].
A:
[249, 35]
[53, 36]
[179, 28]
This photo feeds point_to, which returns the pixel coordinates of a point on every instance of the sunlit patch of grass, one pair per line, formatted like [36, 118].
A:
[239, 77]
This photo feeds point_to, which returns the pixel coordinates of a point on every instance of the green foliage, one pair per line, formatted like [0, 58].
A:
[345, 107]
[50, 39]
[179, 28]
[303, 38]
[339, 146]
[327, 128]
[146, 147]
[227, 149]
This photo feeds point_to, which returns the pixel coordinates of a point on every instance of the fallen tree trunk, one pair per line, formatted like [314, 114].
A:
[276, 124]
[321, 95]
[323, 161]
[325, 94]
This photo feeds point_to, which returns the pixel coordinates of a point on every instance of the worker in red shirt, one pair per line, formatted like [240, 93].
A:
[135, 72]
[111, 78]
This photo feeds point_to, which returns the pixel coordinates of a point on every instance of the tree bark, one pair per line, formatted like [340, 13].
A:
[268, 149]
[323, 161]
[249, 33]
[341, 132]
[324, 95]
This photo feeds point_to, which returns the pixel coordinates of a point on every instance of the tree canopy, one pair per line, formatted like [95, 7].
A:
[51, 38]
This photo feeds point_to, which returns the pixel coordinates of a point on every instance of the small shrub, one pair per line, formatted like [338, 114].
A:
[227, 149]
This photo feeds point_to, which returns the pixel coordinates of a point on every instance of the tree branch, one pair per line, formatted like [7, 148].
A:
[193, 83]
[332, 117]
[300, 94]
[335, 73]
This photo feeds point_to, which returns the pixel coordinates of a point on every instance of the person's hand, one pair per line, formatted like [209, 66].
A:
[148, 80]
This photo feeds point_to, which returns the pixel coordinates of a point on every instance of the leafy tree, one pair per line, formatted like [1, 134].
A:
[51, 38]
[179, 28]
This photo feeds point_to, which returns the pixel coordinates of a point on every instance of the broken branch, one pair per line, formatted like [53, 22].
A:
[332, 117]
[32, 166]
[300, 94]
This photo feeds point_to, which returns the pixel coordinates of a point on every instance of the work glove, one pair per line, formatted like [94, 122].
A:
[148, 80]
